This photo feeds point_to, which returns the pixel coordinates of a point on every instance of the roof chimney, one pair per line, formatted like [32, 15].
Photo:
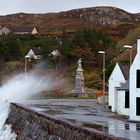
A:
[138, 46]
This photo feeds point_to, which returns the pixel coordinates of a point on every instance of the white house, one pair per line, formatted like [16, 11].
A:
[25, 30]
[19, 30]
[34, 31]
[116, 79]
[34, 53]
[4, 31]
[125, 98]
[135, 86]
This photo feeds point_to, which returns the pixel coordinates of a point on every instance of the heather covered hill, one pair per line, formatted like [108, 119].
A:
[82, 33]
[96, 17]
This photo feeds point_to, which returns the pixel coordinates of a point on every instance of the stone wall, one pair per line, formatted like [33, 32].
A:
[32, 125]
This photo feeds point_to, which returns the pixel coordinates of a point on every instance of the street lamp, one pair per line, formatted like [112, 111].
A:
[26, 59]
[103, 53]
[129, 47]
[56, 54]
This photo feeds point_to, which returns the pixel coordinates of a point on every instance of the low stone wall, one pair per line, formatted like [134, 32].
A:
[32, 125]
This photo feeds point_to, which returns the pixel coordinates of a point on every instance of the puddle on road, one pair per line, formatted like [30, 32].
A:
[127, 130]
[138, 127]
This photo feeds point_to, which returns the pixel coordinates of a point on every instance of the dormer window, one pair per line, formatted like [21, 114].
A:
[138, 79]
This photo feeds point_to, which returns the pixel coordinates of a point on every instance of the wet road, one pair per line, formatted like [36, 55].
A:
[87, 113]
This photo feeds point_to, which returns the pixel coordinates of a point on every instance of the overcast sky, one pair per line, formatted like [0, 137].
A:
[45, 6]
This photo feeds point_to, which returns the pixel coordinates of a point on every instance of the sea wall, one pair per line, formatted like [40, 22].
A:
[31, 125]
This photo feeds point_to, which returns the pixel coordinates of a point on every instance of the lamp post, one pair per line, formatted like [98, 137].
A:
[103, 53]
[26, 59]
[130, 48]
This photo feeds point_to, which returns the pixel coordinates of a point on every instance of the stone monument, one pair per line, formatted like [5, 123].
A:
[79, 80]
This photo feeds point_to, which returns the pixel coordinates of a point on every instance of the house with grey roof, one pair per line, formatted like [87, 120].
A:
[124, 94]
[117, 79]
[34, 53]
[19, 30]
[25, 30]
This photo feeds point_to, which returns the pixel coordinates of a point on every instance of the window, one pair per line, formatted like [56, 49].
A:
[138, 79]
[110, 107]
[138, 106]
[126, 99]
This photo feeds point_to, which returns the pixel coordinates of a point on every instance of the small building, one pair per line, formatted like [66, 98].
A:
[117, 78]
[19, 30]
[119, 95]
[32, 58]
[34, 53]
[4, 31]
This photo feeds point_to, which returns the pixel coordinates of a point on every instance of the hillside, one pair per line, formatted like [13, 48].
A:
[85, 43]
[95, 17]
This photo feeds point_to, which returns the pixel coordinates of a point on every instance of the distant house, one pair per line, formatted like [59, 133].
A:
[32, 58]
[24, 30]
[4, 31]
[19, 30]
[34, 53]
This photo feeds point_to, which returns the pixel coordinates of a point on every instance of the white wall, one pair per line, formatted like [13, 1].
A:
[21, 33]
[121, 110]
[34, 31]
[115, 80]
[134, 92]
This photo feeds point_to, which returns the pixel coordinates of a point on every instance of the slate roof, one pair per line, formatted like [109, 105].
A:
[22, 29]
[125, 70]
[124, 87]
[36, 50]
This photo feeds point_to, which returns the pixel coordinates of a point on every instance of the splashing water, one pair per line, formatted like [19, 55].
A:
[5, 130]
[17, 89]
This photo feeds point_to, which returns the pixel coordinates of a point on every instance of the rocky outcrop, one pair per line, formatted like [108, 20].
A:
[103, 15]
[31, 125]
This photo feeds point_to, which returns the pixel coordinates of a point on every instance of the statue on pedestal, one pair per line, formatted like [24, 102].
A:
[79, 80]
